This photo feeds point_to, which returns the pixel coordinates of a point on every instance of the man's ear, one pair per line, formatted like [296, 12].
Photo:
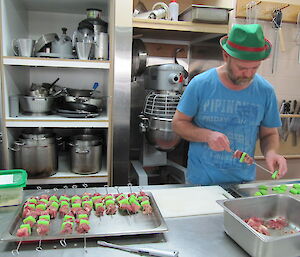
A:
[226, 56]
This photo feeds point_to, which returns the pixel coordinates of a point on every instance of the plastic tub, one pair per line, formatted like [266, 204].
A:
[11, 187]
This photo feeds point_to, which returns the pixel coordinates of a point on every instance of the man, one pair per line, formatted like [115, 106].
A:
[226, 109]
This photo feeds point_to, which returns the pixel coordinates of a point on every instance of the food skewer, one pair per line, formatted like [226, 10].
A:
[16, 251]
[39, 247]
[244, 157]
[63, 242]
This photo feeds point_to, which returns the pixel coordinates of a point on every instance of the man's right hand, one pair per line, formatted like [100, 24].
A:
[218, 142]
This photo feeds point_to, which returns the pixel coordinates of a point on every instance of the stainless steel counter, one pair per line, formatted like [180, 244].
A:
[191, 236]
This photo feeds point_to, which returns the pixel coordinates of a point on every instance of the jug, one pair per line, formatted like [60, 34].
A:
[23, 47]
[101, 44]
[83, 35]
[63, 45]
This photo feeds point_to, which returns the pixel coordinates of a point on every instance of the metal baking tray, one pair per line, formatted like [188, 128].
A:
[104, 226]
[278, 244]
[249, 189]
[205, 14]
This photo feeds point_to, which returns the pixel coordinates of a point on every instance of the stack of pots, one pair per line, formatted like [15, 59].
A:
[35, 152]
[86, 154]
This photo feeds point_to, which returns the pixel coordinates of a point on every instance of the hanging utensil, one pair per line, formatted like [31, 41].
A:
[276, 19]
[298, 36]
[252, 12]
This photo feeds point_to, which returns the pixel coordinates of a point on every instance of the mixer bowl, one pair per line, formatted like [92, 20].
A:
[160, 134]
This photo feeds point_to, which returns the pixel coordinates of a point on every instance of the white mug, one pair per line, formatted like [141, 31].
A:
[23, 47]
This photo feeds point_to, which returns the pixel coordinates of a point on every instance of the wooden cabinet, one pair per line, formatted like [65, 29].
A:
[31, 19]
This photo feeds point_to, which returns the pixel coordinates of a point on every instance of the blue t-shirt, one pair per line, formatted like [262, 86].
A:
[237, 114]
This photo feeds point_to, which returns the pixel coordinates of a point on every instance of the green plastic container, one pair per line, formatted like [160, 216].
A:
[11, 187]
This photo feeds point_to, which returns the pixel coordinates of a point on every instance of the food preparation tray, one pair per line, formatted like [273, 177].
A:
[104, 226]
[279, 243]
[249, 189]
[205, 14]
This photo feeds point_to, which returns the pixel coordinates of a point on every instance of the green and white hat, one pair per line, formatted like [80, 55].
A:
[246, 42]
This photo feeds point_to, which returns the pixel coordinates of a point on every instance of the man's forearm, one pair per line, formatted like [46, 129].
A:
[269, 143]
[191, 132]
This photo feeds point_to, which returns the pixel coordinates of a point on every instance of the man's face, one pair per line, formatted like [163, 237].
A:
[241, 72]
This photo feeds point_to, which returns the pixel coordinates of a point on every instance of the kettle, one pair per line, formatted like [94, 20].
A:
[62, 46]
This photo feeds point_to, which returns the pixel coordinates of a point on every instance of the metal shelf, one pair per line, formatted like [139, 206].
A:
[164, 29]
[55, 62]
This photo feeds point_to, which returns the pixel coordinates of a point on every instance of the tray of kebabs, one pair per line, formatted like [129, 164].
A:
[86, 215]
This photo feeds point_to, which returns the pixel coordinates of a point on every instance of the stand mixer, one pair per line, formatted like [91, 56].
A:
[164, 83]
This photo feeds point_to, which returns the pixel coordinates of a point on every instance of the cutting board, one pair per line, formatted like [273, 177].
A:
[189, 201]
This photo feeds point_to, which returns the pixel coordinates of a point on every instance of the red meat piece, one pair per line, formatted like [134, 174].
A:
[100, 211]
[46, 197]
[75, 210]
[65, 209]
[52, 211]
[247, 159]
[22, 232]
[135, 208]
[277, 224]
[147, 209]
[257, 224]
[111, 209]
[68, 229]
[42, 229]
[83, 228]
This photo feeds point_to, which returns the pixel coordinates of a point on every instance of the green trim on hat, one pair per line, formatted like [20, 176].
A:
[246, 42]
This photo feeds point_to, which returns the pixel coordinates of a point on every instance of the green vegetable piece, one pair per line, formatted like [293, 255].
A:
[74, 198]
[43, 222]
[29, 218]
[145, 203]
[41, 207]
[108, 202]
[99, 205]
[26, 226]
[94, 198]
[294, 191]
[62, 203]
[280, 191]
[65, 223]
[55, 204]
[263, 187]
[283, 187]
[83, 216]
[66, 217]
[124, 201]
[108, 197]
[74, 205]
[84, 221]
[44, 201]
[85, 197]
[64, 198]
[120, 196]
[53, 198]
[274, 175]
[32, 200]
[297, 186]
[90, 203]
[258, 193]
[243, 157]
[275, 188]
[45, 217]
[263, 192]
[31, 205]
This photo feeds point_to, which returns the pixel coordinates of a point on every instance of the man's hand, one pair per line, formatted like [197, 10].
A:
[276, 162]
[218, 141]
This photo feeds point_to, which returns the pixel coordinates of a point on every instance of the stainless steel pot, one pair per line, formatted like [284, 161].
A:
[32, 104]
[37, 133]
[86, 154]
[37, 157]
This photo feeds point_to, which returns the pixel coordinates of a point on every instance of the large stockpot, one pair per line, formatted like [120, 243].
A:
[86, 154]
[37, 156]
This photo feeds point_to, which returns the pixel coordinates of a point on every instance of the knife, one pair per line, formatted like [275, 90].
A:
[147, 251]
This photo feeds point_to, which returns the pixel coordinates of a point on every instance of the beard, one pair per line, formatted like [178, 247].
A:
[239, 81]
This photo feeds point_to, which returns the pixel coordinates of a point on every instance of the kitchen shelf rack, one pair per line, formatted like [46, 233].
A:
[51, 62]
[57, 121]
[164, 29]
